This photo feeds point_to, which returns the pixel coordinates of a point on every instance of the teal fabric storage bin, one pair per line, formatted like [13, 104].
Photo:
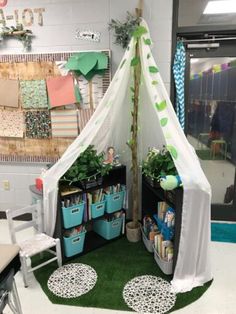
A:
[74, 245]
[114, 202]
[97, 209]
[73, 215]
[108, 229]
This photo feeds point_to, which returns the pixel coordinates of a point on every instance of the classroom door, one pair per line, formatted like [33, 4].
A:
[211, 123]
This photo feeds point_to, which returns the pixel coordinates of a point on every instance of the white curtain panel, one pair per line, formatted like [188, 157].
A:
[110, 126]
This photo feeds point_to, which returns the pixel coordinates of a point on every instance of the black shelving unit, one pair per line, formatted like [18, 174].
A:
[92, 239]
[151, 196]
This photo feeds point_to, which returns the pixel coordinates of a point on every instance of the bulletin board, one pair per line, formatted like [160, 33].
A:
[18, 140]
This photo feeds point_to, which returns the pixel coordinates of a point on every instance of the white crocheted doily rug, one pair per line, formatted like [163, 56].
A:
[72, 280]
[149, 294]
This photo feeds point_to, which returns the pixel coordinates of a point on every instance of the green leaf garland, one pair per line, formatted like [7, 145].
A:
[153, 69]
[164, 121]
[139, 31]
[147, 41]
[172, 151]
[135, 61]
[161, 106]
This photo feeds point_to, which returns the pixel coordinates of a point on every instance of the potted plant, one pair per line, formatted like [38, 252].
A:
[88, 169]
[158, 164]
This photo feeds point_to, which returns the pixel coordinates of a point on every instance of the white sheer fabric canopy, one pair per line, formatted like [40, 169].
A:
[158, 126]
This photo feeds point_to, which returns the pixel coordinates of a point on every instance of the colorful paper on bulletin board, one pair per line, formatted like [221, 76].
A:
[224, 66]
[38, 124]
[12, 123]
[209, 71]
[9, 93]
[97, 91]
[88, 64]
[232, 63]
[64, 123]
[84, 116]
[77, 93]
[216, 68]
[33, 94]
[61, 91]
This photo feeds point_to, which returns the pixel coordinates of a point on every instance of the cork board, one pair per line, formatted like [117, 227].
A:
[37, 67]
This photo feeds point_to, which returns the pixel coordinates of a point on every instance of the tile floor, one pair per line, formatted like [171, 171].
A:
[219, 298]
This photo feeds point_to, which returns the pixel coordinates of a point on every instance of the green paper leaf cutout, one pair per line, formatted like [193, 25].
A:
[154, 82]
[153, 69]
[88, 63]
[147, 41]
[122, 63]
[132, 89]
[148, 55]
[164, 121]
[172, 151]
[139, 31]
[135, 61]
[161, 106]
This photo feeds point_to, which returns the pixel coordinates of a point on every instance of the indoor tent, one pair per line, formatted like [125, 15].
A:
[158, 126]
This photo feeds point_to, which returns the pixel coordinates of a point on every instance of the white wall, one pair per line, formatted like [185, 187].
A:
[20, 177]
[61, 19]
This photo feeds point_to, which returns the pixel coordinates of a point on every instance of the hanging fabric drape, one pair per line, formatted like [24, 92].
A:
[110, 126]
[179, 71]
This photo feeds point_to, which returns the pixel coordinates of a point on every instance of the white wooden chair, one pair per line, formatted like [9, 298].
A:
[38, 243]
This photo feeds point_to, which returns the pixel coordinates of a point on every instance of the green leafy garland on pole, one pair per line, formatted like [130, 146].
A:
[133, 143]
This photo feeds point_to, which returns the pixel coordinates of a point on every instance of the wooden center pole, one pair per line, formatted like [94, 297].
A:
[134, 146]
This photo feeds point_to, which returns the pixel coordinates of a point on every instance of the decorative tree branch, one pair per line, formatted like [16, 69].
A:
[134, 146]
[139, 31]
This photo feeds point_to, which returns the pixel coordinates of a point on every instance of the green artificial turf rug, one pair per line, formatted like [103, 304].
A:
[115, 263]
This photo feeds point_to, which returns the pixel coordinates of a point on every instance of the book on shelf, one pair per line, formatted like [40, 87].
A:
[161, 210]
[71, 200]
[85, 218]
[67, 190]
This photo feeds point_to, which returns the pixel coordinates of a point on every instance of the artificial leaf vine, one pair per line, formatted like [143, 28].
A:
[124, 30]
[18, 32]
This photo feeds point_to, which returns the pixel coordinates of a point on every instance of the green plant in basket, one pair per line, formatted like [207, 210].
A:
[158, 163]
[88, 166]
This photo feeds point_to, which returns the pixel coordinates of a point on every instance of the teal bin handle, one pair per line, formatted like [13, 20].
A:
[76, 240]
[115, 224]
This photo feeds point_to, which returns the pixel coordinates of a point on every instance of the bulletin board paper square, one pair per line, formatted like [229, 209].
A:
[64, 123]
[96, 91]
[61, 91]
[12, 123]
[84, 116]
[9, 93]
[33, 94]
[38, 124]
